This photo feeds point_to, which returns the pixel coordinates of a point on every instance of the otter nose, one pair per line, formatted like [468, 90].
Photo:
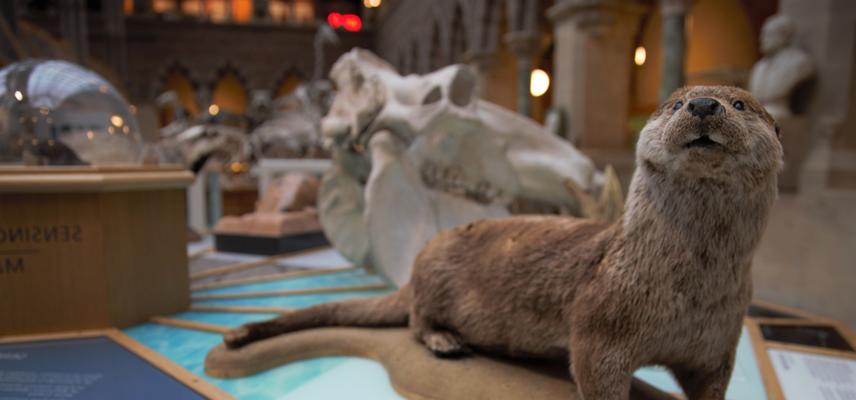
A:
[703, 107]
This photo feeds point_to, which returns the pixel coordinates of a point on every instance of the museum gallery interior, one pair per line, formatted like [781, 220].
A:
[409, 199]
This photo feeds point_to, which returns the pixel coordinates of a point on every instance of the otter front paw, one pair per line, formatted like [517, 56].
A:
[238, 337]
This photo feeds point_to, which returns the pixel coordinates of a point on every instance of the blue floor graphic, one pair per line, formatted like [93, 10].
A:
[311, 379]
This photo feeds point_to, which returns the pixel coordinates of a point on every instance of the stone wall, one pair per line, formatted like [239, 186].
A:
[260, 54]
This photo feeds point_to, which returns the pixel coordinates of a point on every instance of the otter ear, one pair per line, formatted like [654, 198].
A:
[778, 131]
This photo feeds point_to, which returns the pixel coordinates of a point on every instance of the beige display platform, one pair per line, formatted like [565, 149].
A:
[91, 247]
[414, 372]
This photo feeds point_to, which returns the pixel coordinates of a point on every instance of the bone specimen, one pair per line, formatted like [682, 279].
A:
[417, 154]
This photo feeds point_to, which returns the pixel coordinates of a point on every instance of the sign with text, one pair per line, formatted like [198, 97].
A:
[20, 244]
[814, 376]
[84, 368]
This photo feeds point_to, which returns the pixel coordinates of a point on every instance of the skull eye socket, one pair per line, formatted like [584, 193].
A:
[739, 105]
[433, 96]
[678, 105]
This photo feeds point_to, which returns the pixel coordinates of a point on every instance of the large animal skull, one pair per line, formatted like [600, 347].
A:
[414, 155]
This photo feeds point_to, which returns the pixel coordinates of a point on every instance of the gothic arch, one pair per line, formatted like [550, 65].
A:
[176, 77]
[288, 81]
[230, 91]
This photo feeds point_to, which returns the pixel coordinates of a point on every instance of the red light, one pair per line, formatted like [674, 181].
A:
[352, 23]
[335, 19]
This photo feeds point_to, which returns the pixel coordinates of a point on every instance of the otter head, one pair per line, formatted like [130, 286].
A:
[718, 133]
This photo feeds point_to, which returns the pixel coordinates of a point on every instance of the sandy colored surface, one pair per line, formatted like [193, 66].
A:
[414, 372]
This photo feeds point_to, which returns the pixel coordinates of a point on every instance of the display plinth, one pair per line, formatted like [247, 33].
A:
[91, 247]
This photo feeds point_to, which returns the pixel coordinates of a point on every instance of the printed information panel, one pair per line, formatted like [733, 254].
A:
[84, 368]
[814, 376]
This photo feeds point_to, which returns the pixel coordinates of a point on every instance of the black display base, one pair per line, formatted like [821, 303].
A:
[269, 245]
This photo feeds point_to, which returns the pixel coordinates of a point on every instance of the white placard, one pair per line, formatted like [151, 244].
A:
[813, 376]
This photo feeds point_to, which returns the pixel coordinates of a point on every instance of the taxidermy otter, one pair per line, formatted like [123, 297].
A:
[667, 284]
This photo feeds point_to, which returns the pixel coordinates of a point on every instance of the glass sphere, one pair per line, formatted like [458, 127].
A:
[54, 112]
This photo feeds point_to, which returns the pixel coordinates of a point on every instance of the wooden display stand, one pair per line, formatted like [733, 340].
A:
[91, 247]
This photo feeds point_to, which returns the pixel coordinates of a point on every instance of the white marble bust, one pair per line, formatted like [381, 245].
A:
[782, 68]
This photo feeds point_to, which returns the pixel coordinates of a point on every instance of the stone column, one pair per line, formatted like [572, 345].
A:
[261, 10]
[73, 27]
[594, 42]
[674, 14]
[524, 46]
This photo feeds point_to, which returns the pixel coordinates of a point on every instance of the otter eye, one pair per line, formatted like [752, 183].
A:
[739, 105]
[678, 105]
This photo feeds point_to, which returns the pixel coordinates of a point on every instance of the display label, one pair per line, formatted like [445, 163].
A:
[84, 368]
[814, 376]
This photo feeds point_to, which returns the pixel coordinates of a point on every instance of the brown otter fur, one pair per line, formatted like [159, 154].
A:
[667, 284]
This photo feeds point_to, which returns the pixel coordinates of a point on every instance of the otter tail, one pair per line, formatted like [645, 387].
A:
[389, 310]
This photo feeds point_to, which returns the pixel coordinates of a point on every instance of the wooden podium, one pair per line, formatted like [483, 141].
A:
[91, 247]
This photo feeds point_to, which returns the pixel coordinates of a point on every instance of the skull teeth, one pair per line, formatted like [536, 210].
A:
[452, 179]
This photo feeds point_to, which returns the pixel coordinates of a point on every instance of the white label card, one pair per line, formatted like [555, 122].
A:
[813, 376]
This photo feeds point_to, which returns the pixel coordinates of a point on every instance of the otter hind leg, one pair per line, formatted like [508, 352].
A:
[444, 344]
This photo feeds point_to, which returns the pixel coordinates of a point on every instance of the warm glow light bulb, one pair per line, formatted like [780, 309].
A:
[639, 56]
[539, 82]
[371, 3]
[213, 109]
[117, 121]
